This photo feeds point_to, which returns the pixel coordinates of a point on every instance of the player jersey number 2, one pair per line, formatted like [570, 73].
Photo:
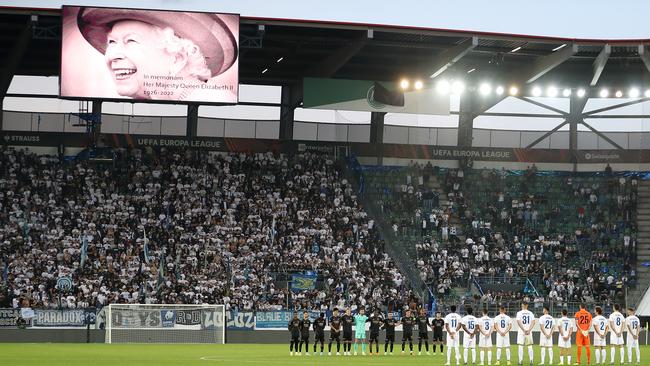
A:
[525, 319]
[602, 326]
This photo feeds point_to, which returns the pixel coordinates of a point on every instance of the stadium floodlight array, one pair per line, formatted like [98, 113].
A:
[485, 89]
[165, 323]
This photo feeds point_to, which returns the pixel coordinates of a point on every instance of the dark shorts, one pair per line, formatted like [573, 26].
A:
[374, 337]
[437, 336]
[335, 335]
[295, 337]
[407, 337]
[304, 337]
[347, 336]
[424, 336]
[390, 337]
[319, 336]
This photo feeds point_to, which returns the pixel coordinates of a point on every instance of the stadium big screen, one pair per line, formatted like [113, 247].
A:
[149, 55]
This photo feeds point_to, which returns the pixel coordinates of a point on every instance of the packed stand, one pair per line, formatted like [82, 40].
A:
[186, 226]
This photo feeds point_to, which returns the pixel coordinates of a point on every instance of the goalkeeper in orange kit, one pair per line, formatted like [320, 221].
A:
[583, 321]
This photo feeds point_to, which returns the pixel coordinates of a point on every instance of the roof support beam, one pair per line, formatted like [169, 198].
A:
[645, 56]
[602, 136]
[547, 63]
[450, 56]
[615, 106]
[545, 106]
[599, 63]
[547, 134]
[330, 65]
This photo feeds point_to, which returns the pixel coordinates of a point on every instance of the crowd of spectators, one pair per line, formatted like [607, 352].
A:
[188, 226]
[573, 237]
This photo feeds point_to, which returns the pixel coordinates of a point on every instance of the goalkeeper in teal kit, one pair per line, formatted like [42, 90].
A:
[360, 331]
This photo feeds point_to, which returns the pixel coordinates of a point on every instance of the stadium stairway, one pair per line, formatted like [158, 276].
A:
[643, 241]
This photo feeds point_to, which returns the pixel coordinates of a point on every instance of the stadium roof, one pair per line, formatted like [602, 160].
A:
[370, 51]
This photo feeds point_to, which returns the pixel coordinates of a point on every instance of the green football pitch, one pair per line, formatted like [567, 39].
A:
[15, 354]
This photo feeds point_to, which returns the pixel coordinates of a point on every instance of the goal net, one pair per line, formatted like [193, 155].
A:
[161, 323]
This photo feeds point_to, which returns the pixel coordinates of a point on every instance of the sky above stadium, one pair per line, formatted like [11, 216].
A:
[600, 19]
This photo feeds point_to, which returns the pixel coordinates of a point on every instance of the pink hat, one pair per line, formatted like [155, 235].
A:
[208, 31]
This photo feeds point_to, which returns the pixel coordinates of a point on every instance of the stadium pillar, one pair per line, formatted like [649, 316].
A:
[466, 115]
[290, 99]
[192, 120]
[377, 134]
[96, 122]
[576, 106]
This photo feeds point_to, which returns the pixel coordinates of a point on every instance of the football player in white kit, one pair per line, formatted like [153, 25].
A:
[564, 328]
[469, 337]
[452, 326]
[503, 324]
[601, 326]
[633, 326]
[485, 327]
[526, 322]
[616, 328]
[546, 326]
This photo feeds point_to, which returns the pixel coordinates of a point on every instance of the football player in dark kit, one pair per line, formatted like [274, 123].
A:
[438, 324]
[375, 324]
[423, 331]
[294, 328]
[348, 321]
[408, 322]
[305, 324]
[389, 324]
[335, 332]
[319, 332]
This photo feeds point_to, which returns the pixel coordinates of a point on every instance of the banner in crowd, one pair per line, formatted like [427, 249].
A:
[303, 282]
[240, 320]
[8, 317]
[63, 318]
[278, 319]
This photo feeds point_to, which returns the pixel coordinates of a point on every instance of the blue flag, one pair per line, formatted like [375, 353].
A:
[302, 282]
[161, 271]
[84, 250]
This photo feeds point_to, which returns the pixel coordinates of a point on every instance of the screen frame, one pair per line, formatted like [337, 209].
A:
[153, 101]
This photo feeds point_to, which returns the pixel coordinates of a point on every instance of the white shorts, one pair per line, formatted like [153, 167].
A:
[599, 341]
[615, 340]
[453, 342]
[485, 342]
[469, 342]
[503, 341]
[524, 340]
[562, 343]
[631, 342]
[545, 341]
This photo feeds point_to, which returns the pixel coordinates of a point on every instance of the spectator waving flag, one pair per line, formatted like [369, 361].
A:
[303, 281]
[273, 230]
[84, 250]
[161, 271]
[146, 246]
[5, 273]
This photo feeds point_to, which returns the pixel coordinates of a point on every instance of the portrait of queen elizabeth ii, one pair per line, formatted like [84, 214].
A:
[157, 55]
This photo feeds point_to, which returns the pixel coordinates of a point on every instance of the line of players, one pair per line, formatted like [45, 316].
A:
[471, 327]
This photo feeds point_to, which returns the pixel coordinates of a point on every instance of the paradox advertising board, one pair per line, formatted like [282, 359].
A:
[149, 55]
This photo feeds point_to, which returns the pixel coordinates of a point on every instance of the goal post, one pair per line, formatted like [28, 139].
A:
[165, 323]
